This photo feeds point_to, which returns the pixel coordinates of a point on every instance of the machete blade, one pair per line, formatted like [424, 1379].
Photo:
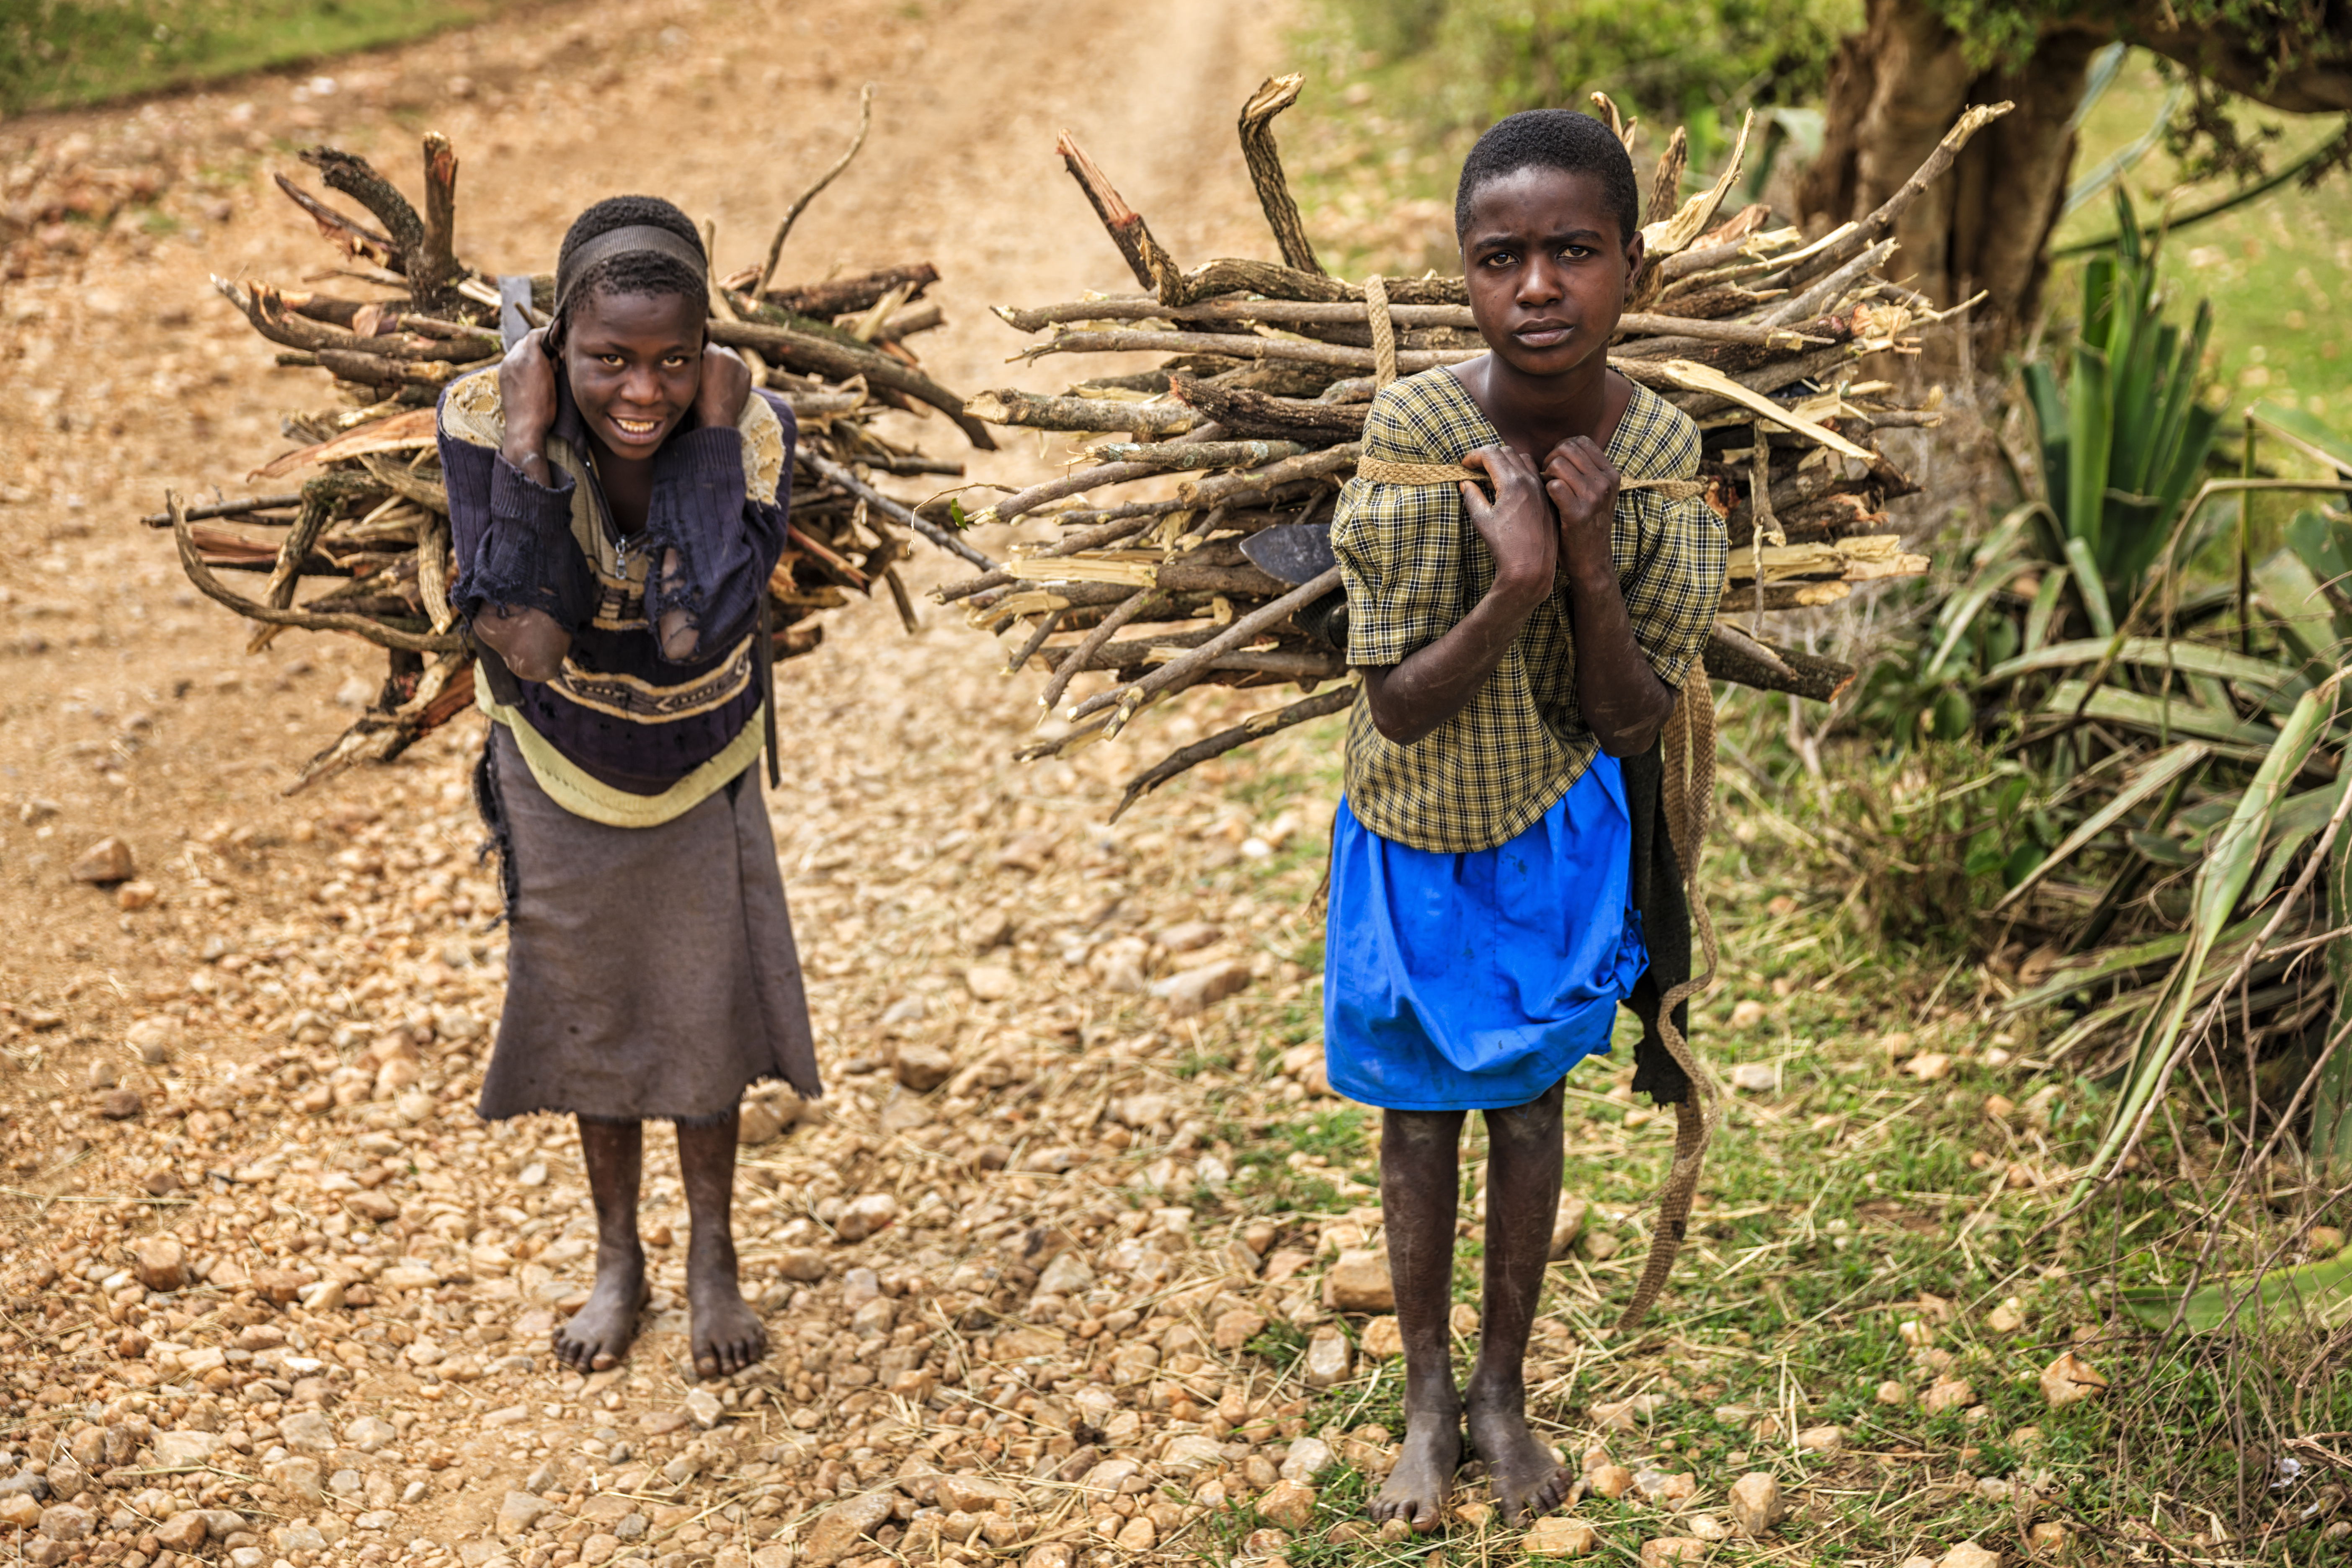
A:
[1293, 552]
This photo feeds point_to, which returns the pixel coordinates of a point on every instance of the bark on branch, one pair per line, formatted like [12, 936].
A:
[1265, 162]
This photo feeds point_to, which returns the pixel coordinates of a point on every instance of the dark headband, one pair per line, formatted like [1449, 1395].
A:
[621, 242]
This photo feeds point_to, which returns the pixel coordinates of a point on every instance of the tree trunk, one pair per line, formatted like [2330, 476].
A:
[1898, 85]
[1894, 88]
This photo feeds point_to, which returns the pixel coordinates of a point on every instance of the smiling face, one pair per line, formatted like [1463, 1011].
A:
[635, 361]
[1546, 269]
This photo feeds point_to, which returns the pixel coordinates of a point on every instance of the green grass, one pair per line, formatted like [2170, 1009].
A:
[59, 54]
[2278, 270]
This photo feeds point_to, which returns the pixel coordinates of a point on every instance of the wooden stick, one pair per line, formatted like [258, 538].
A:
[858, 292]
[1009, 405]
[225, 509]
[834, 473]
[1170, 457]
[1733, 656]
[1258, 151]
[1256, 727]
[434, 275]
[1122, 222]
[1242, 347]
[1089, 646]
[841, 361]
[354, 238]
[1132, 695]
[1247, 413]
[301, 620]
[791, 213]
[1281, 313]
[1047, 624]
[356, 178]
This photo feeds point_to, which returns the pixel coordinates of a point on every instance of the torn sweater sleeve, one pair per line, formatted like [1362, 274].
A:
[511, 537]
[711, 542]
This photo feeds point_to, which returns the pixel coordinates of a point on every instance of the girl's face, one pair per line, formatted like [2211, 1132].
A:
[635, 361]
[1546, 269]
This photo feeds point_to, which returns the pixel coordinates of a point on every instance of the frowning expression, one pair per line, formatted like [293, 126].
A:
[635, 361]
[1546, 269]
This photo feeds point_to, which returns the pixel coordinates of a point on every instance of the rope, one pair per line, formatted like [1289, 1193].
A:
[1376, 312]
[1687, 748]
[1380, 471]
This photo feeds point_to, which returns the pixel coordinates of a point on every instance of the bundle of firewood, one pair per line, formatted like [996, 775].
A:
[370, 519]
[1253, 420]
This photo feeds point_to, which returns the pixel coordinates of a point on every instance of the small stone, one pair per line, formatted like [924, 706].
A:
[1568, 1225]
[159, 1262]
[1668, 1548]
[1308, 1457]
[1706, 1527]
[105, 862]
[1196, 989]
[1382, 1337]
[1748, 1013]
[973, 1494]
[1050, 1554]
[1968, 1554]
[1756, 1504]
[1193, 1451]
[804, 1264]
[1822, 1439]
[64, 1521]
[1611, 1481]
[1929, 1067]
[1330, 1358]
[1756, 1077]
[2069, 1379]
[518, 1512]
[133, 895]
[1395, 1530]
[1948, 1393]
[1555, 1536]
[1290, 1504]
[120, 1104]
[865, 1216]
[184, 1450]
[184, 1532]
[24, 1510]
[1892, 1392]
[1625, 1415]
[702, 1408]
[1138, 1534]
[290, 1539]
[2007, 1318]
[1667, 1490]
[759, 1121]
[1476, 1515]
[989, 982]
[2050, 1540]
[1236, 1328]
[838, 1530]
[600, 1548]
[922, 1068]
[301, 1479]
[1359, 1282]
[154, 1038]
[1067, 1275]
[371, 1434]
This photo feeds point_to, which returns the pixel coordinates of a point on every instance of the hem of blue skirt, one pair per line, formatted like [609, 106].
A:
[1499, 1098]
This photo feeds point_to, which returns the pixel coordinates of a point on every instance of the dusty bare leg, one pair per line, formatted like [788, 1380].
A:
[530, 641]
[727, 1335]
[1421, 1178]
[599, 1333]
[1523, 1160]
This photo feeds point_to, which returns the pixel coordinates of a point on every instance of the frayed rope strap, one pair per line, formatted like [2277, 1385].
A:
[1687, 748]
[1382, 472]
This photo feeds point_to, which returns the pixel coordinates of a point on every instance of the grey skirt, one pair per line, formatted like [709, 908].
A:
[651, 972]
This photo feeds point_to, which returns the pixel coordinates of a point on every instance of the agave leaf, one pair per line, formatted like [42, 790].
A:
[2228, 866]
[2144, 782]
[2081, 555]
[2090, 439]
[2306, 621]
[2263, 675]
[2154, 716]
[2300, 429]
[2039, 613]
[2049, 404]
[2319, 1293]
[2087, 970]
[1960, 611]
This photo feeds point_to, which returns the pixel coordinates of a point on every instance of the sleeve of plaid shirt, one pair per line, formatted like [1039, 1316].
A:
[1401, 547]
[1679, 551]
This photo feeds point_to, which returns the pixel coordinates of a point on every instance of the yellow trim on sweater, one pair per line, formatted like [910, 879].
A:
[584, 794]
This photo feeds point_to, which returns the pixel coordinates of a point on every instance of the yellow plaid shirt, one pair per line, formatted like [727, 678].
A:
[1414, 565]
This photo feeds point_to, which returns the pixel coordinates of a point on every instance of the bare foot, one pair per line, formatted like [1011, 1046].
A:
[1415, 1490]
[1527, 1480]
[726, 1334]
[599, 1333]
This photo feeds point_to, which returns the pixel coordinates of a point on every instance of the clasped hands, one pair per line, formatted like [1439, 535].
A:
[1544, 524]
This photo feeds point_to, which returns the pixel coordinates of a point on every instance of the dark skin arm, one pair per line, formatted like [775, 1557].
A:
[1543, 529]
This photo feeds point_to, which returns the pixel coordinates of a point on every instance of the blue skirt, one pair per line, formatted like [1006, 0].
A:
[1475, 981]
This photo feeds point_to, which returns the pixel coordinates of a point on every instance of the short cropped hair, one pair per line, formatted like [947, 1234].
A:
[633, 271]
[1552, 139]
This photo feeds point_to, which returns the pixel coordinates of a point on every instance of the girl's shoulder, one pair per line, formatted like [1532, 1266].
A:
[1430, 418]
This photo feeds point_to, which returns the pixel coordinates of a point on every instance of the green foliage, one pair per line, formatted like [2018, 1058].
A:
[2125, 438]
[1673, 64]
[56, 53]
